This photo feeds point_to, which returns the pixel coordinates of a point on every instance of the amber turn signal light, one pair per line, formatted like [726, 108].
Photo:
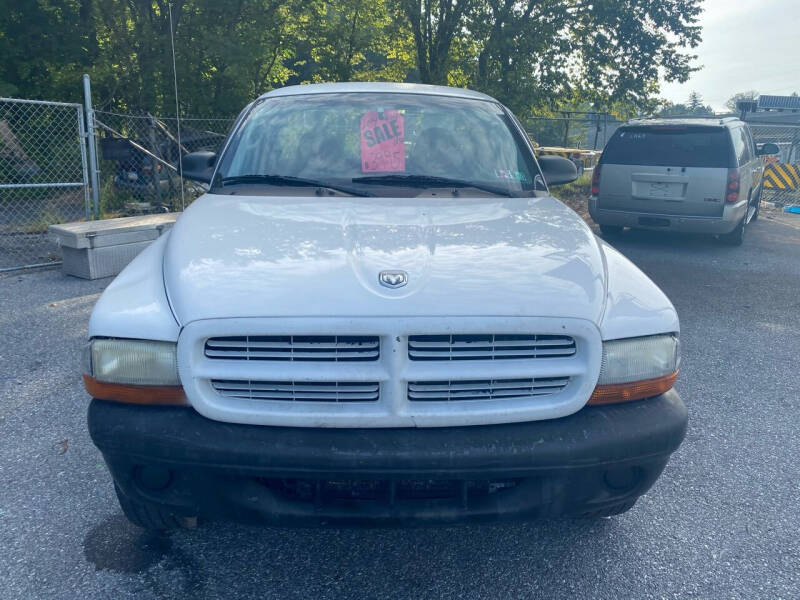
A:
[635, 390]
[153, 395]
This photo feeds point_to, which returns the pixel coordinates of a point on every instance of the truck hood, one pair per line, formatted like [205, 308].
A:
[242, 256]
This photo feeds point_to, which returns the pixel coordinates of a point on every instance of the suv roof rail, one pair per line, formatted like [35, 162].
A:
[720, 120]
[683, 118]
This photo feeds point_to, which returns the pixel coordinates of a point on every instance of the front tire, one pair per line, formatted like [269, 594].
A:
[147, 515]
[610, 230]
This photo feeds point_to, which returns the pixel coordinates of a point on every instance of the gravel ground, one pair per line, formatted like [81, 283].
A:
[722, 522]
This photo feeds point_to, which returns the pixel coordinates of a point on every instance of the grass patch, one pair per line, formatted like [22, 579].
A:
[42, 221]
[576, 194]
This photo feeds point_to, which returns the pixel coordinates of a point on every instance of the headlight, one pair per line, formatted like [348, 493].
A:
[139, 371]
[637, 368]
[137, 362]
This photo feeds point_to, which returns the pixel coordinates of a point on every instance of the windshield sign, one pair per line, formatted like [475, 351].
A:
[382, 148]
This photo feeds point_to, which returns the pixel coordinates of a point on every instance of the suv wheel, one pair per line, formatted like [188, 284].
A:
[148, 515]
[735, 237]
[610, 230]
[757, 204]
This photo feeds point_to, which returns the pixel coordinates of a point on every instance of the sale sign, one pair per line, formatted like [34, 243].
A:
[382, 147]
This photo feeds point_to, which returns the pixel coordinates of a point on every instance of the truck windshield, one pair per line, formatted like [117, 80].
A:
[379, 142]
[670, 146]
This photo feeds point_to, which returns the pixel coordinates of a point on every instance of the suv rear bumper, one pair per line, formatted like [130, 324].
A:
[678, 223]
[590, 462]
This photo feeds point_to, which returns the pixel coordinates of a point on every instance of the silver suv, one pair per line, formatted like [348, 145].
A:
[690, 175]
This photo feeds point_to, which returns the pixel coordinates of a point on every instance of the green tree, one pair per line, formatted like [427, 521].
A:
[225, 53]
[622, 47]
[533, 55]
[695, 106]
[435, 25]
[521, 48]
[44, 45]
[695, 101]
[668, 109]
[355, 40]
[731, 104]
[597, 53]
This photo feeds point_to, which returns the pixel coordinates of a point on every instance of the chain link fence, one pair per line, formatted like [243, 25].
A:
[588, 131]
[138, 160]
[782, 172]
[43, 178]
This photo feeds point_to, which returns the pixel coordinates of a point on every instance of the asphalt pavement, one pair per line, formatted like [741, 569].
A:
[722, 522]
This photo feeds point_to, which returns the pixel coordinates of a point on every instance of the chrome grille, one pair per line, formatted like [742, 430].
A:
[489, 347]
[308, 348]
[488, 389]
[298, 391]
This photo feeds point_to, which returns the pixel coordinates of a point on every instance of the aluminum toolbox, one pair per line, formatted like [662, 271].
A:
[95, 249]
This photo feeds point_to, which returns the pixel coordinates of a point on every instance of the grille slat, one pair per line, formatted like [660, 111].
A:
[448, 391]
[304, 348]
[527, 341]
[510, 384]
[295, 355]
[489, 347]
[486, 354]
[298, 391]
[478, 394]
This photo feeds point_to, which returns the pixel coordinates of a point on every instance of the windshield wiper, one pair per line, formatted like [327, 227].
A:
[431, 181]
[294, 181]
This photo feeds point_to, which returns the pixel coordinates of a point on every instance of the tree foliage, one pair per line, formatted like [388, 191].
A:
[692, 107]
[531, 54]
[731, 104]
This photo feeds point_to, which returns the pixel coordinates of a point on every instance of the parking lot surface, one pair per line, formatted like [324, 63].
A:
[722, 522]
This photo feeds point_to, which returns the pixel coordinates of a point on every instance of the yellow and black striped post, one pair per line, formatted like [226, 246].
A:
[782, 177]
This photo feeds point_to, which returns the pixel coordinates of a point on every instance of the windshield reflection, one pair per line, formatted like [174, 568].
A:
[341, 137]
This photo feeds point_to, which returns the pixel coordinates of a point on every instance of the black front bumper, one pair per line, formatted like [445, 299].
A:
[589, 462]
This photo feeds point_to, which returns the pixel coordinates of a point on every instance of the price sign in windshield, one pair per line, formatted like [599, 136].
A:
[382, 137]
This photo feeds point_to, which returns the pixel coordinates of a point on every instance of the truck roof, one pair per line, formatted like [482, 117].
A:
[376, 87]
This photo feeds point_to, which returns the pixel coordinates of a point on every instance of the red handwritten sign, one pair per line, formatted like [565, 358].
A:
[382, 147]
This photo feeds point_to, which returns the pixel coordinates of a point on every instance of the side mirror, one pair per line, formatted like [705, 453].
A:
[199, 166]
[768, 149]
[557, 170]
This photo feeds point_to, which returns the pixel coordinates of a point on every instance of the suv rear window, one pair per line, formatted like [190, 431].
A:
[670, 146]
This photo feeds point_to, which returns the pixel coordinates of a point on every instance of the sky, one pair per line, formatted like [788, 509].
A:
[747, 45]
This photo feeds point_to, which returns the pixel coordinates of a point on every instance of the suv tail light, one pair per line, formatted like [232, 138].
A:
[596, 180]
[732, 189]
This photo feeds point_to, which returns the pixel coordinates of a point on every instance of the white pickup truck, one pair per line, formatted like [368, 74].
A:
[378, 313]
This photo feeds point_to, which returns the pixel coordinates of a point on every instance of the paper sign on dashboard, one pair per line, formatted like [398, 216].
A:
[382, 142]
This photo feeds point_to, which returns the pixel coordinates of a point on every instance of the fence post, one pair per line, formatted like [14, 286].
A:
[87, 207]
[91, 142]
[154, 147]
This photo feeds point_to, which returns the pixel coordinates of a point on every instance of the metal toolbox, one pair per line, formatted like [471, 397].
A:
[95, 249]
